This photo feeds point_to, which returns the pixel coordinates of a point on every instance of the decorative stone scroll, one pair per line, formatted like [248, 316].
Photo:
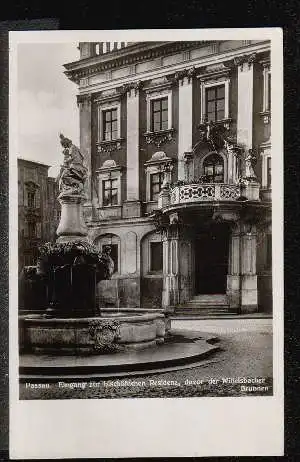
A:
[104, 334]
[185, 73]
[110, 146]
[160, 138]
[245, 59]
[128, 87]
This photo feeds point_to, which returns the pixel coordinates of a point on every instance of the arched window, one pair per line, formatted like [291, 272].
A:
[213, 168]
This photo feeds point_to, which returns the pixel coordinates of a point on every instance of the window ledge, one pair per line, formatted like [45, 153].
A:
[110, 145]
[160, 137]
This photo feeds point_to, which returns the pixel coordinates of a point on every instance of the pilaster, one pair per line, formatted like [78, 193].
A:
[233, 277]
[132, 140]
[248, 269]
[85, 116]
[245, 100]
[185, 134]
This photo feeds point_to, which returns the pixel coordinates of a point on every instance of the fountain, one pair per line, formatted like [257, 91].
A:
[70, 268]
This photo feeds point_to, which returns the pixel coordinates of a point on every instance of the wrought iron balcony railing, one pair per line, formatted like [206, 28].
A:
[204, 193]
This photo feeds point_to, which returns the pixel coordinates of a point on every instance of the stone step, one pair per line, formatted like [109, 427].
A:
[200, 311]
[210, 298]
[203, 305]
[203, 315]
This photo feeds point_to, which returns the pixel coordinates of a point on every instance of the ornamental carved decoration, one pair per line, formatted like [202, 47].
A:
[104, 334]
[136, 86]
[110, 146]
[160, 138]
[245, 59]
[214, 133]
[185, 73]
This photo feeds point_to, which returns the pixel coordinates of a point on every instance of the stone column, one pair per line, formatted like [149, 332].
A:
[133, 206]
[233, 277]
[248, 269]
[245, 101]
[85, 115]
[185, 123]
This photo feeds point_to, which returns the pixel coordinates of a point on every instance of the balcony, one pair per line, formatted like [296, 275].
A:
[206, 192]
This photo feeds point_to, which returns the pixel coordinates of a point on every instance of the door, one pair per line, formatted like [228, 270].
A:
[211, 261]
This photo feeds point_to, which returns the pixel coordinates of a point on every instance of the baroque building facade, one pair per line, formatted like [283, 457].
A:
[177, 140]
[38, 209]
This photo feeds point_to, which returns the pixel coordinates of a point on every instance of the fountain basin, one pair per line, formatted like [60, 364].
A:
[92, 335]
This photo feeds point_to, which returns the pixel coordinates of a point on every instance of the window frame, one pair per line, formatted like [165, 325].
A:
[204, 86]
[150, 98]
[102, 108]
[225, 164]
[214, 174]
[31, 199]
[110, 122]
[161, 176]
[110, 189]
[111, 172]
[160, 112]
[265, 155]
[215, 102]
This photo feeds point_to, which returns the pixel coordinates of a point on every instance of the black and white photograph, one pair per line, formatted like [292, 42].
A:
[143, 192]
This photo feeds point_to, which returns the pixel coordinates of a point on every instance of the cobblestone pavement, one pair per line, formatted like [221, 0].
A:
[246, 352]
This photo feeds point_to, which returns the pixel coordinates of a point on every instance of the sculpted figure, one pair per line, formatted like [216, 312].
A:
[72, 173]
[250, 163]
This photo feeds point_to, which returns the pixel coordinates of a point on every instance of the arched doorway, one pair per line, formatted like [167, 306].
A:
[213, 168]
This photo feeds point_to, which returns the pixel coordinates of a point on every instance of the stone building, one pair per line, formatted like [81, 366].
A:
[38, 209]
[176, 138]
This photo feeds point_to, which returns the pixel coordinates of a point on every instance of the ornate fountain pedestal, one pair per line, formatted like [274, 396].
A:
[72, 225]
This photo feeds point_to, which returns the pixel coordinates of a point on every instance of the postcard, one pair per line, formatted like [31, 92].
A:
[146, 243]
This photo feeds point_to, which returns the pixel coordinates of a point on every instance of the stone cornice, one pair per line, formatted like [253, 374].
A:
[126, 56]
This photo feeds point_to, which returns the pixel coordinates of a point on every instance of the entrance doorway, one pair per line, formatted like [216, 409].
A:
[211, 260]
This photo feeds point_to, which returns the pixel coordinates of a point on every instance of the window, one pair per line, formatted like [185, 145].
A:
[113, 251]
[156, 256]
[159, 114]
[110, 192]
[269, 178]
[213, 167]
[215, 103]
[31, 199]
[31, 229]
[110, 124]
[156, 181]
